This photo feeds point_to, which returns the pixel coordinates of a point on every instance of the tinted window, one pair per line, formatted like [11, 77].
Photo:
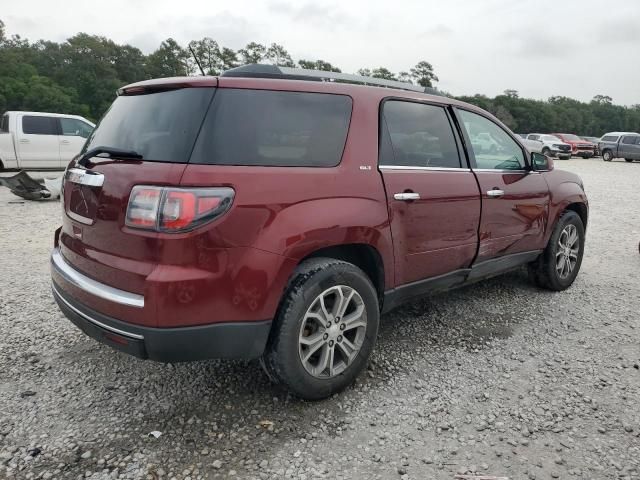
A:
[421, 136]
[160, 126]
[609, 138]
[492, 146]
[533, 137]
[76, 128]
[270, 128]
[4, 124]
[630, 140]
[39, 125]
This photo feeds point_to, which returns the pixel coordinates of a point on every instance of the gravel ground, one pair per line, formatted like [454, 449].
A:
[494, 379]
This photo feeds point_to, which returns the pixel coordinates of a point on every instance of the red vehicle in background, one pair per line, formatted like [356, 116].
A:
[579, 146]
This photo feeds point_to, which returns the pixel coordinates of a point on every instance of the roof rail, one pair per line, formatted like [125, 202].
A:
[256, 70]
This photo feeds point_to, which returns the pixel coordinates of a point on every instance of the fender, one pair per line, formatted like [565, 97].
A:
[565, 189]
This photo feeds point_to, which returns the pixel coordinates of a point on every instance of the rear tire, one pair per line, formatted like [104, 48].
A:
[558, 265]
[629, 160]
[607, 156]
[315, 349]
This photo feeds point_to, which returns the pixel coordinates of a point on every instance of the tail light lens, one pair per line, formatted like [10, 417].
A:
[167, 209]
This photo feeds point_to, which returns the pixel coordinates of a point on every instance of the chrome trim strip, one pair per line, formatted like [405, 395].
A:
[84, 177]
[92, 286]
[506, 170]
[80, 218]
[93, 320]
[434, 169]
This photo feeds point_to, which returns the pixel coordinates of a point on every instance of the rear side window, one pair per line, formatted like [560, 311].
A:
[32, 125]
[630, 140]
[160, 126]
[4, 124]
[609, 138]
[420, 134]
[273, 128]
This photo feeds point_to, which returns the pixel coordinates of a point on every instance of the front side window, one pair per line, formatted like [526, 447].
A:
[4, 124]
[609, 138]
[420, 136]
[74, 127]
[501, 152]
[274, 129]
[32, 125]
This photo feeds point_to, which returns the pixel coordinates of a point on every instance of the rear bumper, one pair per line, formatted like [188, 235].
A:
[241, 340]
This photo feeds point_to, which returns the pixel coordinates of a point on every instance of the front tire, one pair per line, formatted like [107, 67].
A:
[607, 156]
[325, 330]
[628, 160]
[558, 266]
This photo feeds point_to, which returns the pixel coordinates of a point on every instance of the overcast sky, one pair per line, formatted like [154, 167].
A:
[576, 48]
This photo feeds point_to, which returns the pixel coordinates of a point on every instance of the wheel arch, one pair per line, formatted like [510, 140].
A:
[362, 255]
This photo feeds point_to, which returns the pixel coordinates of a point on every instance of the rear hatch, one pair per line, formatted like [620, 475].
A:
[160, 123]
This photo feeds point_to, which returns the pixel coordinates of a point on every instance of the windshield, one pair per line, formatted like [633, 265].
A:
[551, 138]
[160, 126]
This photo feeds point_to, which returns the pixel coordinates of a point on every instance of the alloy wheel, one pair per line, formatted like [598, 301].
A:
[567, 252]
[332, 331]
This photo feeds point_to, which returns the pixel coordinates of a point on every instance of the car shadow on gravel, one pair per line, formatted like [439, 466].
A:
[224, 406]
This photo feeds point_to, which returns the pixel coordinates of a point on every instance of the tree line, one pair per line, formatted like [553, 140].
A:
[81, 75]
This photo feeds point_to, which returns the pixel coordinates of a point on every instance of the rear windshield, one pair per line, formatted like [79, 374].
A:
[160, 126]
[274, 128]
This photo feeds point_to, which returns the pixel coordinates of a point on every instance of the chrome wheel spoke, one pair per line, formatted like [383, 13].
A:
[348, 349]
[568, 251]
[344, 302]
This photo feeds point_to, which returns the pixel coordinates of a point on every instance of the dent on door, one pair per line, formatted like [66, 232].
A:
[515, 221]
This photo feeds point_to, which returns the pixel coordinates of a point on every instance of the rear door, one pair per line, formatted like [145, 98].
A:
[37, 142]
[514, 199]
[629, 147]
[73, 134]
[432, 195]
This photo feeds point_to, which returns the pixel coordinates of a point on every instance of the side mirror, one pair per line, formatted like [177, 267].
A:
[540, 162]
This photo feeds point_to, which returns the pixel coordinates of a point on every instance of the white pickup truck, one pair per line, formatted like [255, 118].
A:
[41, 141]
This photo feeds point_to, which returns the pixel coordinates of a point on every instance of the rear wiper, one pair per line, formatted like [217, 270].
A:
[111, 151]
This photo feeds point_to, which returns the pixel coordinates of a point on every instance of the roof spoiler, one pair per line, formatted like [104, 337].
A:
[273, 71]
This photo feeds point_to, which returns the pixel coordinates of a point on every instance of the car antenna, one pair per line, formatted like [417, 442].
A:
[195, 57]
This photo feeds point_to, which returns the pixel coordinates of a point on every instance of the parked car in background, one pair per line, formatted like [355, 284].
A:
[620, 145]
[276, 218]
[579, 147]
[595, 141]
[42, 141]
[552, 145]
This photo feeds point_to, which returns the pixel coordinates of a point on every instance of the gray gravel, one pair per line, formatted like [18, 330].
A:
[497, 379]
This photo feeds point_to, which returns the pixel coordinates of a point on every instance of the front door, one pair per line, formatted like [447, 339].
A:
[515, 200]
[37, 142]
[433, 197]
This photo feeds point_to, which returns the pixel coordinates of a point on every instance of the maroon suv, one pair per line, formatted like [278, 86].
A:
[265, 214]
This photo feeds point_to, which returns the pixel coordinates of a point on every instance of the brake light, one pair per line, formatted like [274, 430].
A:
[166, 209]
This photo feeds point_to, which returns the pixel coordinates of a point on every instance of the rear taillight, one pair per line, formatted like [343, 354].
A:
[168, 209]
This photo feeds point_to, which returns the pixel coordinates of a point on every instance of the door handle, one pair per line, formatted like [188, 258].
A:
[406, 196]
[65, 142]
[24, 140]
[495, 193]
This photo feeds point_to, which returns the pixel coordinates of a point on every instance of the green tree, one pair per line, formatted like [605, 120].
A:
[364, 72]
[2, 32]
[228, 59]
[170, 60]
[423, 74]
[511, 93]
[208, 54]
[252, 53]
[602, 99]
[277, 55]
[382, 72]
[318, 65]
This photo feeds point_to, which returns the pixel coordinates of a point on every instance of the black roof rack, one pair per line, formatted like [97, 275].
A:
[256, 70]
